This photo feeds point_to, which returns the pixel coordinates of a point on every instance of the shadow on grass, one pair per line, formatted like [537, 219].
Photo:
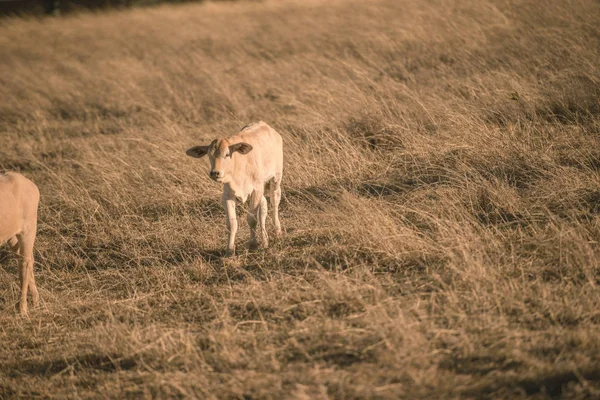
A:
[332, 191]
[552, 385]
[96, 362]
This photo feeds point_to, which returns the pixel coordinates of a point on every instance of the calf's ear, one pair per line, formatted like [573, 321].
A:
[197, 151]
[243, 148]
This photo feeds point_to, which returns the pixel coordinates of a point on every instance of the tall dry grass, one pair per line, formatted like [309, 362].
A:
[441, 201]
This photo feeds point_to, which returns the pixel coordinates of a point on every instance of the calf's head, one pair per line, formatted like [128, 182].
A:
[220, 152]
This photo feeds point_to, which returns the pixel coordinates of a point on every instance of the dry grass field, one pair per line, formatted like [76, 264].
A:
[441, 201]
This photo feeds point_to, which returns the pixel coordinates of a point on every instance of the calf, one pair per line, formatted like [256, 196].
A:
[19, 198]
[250, 165]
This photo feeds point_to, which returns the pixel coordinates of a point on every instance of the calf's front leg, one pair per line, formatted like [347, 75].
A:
[232, 224]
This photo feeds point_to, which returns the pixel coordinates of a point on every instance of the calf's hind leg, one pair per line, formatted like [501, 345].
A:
[257, 215]
[13, 242]
[262, 213]
[275, 199]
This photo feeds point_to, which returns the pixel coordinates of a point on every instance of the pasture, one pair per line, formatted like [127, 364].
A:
[441, 201]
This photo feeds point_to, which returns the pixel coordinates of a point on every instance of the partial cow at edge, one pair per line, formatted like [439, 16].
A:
[19, 199]
[250, 165]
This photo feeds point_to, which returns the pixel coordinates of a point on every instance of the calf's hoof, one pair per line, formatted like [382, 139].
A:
[230, 252]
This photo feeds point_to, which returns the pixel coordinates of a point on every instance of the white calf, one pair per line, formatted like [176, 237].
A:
[19, 198]
[249, 164]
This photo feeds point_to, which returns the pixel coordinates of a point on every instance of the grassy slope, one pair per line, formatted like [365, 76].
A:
[442, 201]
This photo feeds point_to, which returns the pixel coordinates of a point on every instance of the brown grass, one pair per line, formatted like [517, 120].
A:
[441, 201]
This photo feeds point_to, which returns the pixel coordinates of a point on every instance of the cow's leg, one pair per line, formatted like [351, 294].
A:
[25, 244]
[232, 224]
[13, 243]
[275, 199]
[253, 216]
